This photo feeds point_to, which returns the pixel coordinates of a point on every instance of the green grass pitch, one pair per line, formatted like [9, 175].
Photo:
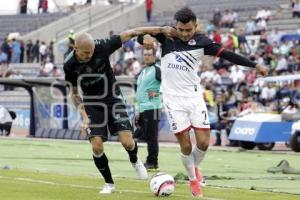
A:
[56, 169]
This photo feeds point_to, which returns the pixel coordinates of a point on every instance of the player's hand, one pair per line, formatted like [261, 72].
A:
[169, 32]
[85, 125]
[262, 70]
[148, 42]
[152, 94]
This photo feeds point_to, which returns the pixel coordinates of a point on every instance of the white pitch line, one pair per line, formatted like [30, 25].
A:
[53, 183]
[92, 187]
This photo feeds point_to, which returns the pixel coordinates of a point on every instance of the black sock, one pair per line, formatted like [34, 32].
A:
[133, 153]
[102, 165]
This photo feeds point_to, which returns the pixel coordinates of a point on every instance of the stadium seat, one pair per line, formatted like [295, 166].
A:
[46, 133]
[61, 133]
[68, 134]
[39, 132]
[53, 133]
[76, 134]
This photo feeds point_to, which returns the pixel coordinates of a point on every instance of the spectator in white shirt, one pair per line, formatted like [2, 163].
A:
[264, 14]
[227, 19]
[6, 119]
[252, 45]
[236, 74]
[206, 74]
[43, 51]
[282, 65]
[276, 48]
[268, 93]
[216, 77]
[285, 48]
[261, 25]
[296, 9]
[274, 36]
[128, 55]
[48, 66]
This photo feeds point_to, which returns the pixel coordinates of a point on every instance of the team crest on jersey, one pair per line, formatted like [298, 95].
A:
[174, 126]
[192, 42]
[178, 58]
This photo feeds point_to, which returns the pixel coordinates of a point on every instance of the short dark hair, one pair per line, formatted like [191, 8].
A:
[185, 15]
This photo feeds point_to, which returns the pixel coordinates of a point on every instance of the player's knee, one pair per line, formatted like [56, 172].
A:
[126, 139]
[186, 148]
[97, 145]
[203, 145]
[97, 150]
[127, 144]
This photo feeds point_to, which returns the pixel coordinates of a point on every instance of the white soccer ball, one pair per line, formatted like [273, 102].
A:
[162, 184]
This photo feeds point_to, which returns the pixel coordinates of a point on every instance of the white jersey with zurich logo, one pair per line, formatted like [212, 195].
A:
[180, 64]
[179, 73]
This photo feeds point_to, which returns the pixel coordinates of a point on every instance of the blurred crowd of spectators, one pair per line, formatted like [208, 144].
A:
[14, 51]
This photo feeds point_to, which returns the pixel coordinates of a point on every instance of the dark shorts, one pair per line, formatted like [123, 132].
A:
[107, 118]
[5, 128]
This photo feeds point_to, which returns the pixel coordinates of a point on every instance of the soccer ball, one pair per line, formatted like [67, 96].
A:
[162, 184]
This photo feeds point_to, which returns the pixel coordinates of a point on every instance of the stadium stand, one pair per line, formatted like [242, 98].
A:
[204, 11]
[15, 23]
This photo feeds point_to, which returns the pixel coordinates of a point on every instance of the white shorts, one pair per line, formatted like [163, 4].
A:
[185, 113]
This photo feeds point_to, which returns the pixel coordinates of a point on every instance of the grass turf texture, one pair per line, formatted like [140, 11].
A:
[55, 169]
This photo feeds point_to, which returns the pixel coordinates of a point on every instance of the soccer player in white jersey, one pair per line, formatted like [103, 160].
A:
[180, 86]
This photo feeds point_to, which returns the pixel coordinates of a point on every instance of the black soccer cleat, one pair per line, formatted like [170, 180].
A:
[151, 167]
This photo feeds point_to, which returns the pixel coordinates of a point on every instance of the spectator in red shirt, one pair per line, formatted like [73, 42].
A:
[149, 5]
[45, 6]
[217, 36]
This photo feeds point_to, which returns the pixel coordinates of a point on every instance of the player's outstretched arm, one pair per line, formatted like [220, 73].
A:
[167, 31]
[241, 60]
[214, 49]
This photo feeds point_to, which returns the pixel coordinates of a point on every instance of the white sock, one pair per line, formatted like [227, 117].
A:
[198, 155]
[188, 163]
